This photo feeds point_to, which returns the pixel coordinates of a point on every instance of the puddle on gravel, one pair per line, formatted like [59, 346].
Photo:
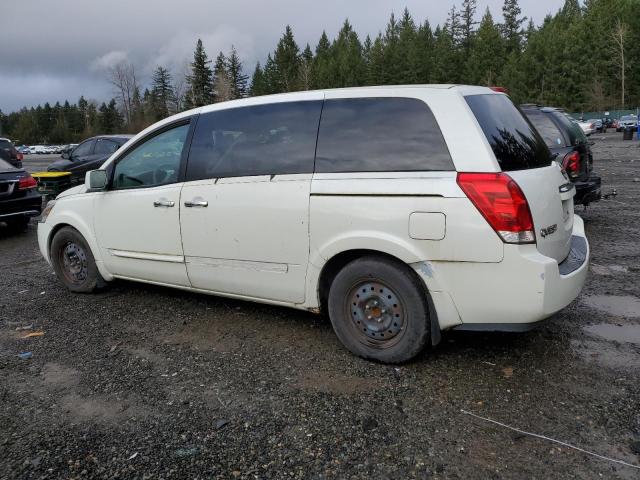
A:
[606, 354]
[618, 305]
[618, 333]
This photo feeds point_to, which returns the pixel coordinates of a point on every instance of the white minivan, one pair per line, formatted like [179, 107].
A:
[399, 211]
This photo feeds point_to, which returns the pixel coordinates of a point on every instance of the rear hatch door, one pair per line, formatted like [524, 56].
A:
[522, 153]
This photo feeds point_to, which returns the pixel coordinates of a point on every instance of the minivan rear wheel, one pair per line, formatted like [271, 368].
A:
[378, 309]
[73, 261]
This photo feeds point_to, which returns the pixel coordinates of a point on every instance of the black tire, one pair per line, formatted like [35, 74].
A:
[379, 311]
[73, 261]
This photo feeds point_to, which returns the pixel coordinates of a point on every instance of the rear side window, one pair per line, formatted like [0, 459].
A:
[378, 135]
[515, 142]
[272, 139]
[576, 135]
[6, 144]
[546, 128]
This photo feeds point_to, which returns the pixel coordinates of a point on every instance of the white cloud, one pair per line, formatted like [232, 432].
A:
[108, 60]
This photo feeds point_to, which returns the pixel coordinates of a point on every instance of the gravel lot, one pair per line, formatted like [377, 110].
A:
[147, 382]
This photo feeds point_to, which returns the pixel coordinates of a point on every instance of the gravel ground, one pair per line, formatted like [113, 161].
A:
[147, 382]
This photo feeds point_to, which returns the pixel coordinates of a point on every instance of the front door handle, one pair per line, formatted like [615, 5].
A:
[196, 203]
[163, 203]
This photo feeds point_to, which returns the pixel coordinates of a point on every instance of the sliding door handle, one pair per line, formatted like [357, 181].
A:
[163, 203]
[196, 203]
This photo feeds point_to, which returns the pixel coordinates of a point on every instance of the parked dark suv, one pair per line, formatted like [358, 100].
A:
[571, 148]
[8, 153]
[89, 155]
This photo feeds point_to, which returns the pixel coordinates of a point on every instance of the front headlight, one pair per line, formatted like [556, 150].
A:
[47, 210]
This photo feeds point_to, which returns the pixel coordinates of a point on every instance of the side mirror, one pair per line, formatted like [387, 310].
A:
[95, 180]
[65, 155]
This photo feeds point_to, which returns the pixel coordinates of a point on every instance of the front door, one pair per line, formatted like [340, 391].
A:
[244, 208]
[137, 220]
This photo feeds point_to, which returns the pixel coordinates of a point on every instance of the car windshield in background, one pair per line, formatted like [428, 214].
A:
[5, 144]
[546, 128]
[627, 117]
[514, 141]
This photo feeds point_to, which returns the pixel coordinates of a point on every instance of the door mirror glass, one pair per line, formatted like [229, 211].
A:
[95, 180]
[65, 155]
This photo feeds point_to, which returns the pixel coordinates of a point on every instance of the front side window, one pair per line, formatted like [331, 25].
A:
[153, 162]
[105, 147]
[271, 139]
[380, 134]
[84, 149]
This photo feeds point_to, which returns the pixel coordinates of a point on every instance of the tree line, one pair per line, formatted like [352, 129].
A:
[583, 57]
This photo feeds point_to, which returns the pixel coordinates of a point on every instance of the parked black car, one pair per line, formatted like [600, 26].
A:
[19, 200]
[89, 155]
[8, 153]
[566, 140]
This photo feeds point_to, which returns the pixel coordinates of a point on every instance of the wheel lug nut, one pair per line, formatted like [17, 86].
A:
[368, 317]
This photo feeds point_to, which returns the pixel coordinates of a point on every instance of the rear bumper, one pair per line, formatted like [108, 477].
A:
[28, 206]
[589, 191]
[515, 294]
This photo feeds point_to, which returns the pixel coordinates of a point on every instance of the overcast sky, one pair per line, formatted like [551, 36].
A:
[52, 51]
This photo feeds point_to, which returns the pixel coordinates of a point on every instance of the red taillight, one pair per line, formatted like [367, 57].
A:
[501, 202]
[19, 156]
[499, 89]
[27, 183]
[571, 164]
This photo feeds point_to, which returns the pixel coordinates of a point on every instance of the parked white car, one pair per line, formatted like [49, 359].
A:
[401, 211]
[39, 149]
[588, 126]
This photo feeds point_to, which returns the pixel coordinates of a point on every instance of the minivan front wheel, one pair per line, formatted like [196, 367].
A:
[378, 309]
[73, 261]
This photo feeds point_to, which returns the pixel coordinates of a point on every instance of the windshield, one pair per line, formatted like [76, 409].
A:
[628, 117]
[515, 142]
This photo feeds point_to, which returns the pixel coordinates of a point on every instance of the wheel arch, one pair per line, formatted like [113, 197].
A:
[83, 229]
[338, 261]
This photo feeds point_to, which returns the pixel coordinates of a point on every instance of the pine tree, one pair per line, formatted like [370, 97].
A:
[487, 53]
[257, 82]
[408, 55]
[162, 93]
[424, 53]
[467, 23]
[321, 72]
[347, 68]
[376, 69]
[271, 76]
[512, 26]
[222, 87]
[200, 79]
[306, 69]
[391, 54]
[138, 121]
[287, 61]
[237, 78]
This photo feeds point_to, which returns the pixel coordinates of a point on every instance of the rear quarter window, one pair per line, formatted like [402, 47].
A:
[515, 142]
[380, 134]
[546, 128]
